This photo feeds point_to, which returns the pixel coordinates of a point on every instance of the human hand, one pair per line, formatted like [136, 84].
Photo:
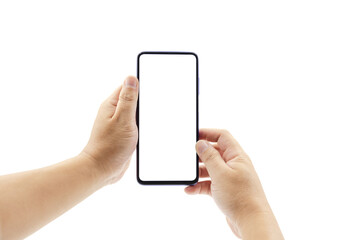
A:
[234, 184]
[115, 134]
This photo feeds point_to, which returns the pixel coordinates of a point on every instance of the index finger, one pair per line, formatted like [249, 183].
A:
[223, 138]
[210, 134]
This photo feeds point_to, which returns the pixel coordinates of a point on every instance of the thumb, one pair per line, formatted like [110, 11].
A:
[127, 104]
[211, 158]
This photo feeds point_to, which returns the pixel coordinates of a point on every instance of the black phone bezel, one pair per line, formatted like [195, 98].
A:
[168, 182]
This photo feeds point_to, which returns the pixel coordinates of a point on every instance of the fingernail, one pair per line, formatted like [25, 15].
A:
[131, 82]
[202, 146]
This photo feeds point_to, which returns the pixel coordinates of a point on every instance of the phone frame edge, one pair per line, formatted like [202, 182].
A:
[169, 182]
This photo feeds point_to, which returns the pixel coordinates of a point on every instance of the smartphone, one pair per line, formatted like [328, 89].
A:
[167, 118]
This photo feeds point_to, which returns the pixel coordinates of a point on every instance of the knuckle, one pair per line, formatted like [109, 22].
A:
[127, 96]
[125, 127]
[209, 154]
[224, 132]
[243, 157]
[129, 126]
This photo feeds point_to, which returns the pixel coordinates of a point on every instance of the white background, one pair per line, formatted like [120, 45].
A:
[167, 117]
[272, 72]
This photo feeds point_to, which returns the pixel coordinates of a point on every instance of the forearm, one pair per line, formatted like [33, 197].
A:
[29, 200]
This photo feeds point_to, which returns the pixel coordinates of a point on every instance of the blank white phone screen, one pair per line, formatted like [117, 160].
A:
[167, 117]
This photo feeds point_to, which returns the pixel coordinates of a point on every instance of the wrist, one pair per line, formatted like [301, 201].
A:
[96, 170]
[259, 224]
